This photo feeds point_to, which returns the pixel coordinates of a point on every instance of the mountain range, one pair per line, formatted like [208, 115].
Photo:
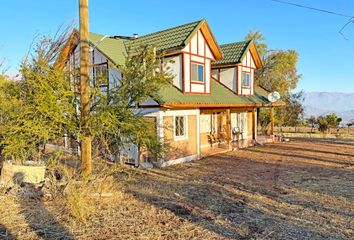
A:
[323, 103]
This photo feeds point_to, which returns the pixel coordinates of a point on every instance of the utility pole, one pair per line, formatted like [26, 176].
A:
[86, 158]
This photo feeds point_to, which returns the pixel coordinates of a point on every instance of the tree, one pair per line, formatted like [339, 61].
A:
[39, 108]
[333, 120]
[116, 121]
[259, 40]
[292, 112]
[322, 124]
[312, 121]
[279, 73]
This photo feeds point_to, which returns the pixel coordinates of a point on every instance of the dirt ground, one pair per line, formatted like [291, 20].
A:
[296, 190]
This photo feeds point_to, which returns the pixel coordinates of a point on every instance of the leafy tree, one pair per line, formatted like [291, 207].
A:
[312, 121]
[259, 40]
[292, 112]
[322, 124]
[37, 109]
[279, 73]
[333, 120]
[116, 121]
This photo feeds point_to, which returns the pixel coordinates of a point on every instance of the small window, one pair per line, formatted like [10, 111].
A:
[180, 126]
[197, 72]
[100, 75]
[246, 79]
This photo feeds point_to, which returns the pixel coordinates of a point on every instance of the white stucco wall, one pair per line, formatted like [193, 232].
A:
[228, 77]
[174, 66]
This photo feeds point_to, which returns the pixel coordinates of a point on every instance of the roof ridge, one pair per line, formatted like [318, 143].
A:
[149, 34]
[225, 44]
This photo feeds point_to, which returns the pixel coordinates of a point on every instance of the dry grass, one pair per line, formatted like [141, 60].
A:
[307, 132]
[295, 190]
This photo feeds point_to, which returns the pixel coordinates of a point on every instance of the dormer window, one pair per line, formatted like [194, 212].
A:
[197, 72]
[246, 79]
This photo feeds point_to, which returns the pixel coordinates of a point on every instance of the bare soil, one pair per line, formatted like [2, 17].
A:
[297, 190]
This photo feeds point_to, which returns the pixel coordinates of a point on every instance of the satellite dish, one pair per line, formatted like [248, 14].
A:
[273, 96]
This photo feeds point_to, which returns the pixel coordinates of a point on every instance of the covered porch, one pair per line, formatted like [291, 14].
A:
[224, 129]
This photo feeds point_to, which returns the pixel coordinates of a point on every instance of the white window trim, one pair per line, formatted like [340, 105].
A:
[250, 82]
[185, 136]
[201, 64]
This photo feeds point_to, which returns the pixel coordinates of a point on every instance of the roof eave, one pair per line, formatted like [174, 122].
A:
[219, 105]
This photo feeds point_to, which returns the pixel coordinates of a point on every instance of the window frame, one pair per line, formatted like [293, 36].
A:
[250, 81]
[185, 122]
[94, 77]
[191, 67]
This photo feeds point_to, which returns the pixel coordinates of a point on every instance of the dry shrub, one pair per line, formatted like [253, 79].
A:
[81, 194]
[79, 200]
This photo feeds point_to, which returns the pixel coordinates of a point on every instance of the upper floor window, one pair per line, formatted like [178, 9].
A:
[197, 72]
[100, 74]
[246, 79]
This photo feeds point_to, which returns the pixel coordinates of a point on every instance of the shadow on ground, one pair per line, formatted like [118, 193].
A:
[248, 194]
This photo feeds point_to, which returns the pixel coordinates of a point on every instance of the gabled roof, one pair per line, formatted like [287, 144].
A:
[166, 39]
[220, 96]
[177, 37]
[114, 49]
[235, 52]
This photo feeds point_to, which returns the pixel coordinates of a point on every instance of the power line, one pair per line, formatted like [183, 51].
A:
[350, 18]
[313, 8]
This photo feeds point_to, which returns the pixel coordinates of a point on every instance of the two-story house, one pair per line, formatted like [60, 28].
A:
[211, 104]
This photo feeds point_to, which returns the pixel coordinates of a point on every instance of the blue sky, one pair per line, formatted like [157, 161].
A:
[326, 58]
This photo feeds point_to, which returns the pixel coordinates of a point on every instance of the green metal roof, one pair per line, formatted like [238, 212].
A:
[220, 94]
[114, 49]
[166, 39]
[233, 52]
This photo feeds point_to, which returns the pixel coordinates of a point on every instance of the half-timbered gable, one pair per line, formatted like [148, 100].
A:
[236, 69]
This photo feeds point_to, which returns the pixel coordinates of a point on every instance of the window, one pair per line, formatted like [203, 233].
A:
[197, 72]
[180, 127]
[246, 79]
[100, 75]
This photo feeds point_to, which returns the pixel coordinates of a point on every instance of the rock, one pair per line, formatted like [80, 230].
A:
[17, 174]
[146, 165]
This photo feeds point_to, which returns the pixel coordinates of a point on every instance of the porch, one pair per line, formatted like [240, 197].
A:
[227, 129]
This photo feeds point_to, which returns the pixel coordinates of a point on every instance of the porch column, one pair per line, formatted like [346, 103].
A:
[228, 128]
[254, 124]
[198, 134]
[272, 121]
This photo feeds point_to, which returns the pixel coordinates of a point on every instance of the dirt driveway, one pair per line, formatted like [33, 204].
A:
[294, 190]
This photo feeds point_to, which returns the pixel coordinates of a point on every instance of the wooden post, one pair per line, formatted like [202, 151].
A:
[272, 121]
[254, 124]
[228, 126]
[86, 160]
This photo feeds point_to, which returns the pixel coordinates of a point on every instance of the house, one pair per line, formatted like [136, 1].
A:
[212, 103]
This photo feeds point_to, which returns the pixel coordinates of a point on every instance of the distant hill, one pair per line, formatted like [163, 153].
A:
[322, 103]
